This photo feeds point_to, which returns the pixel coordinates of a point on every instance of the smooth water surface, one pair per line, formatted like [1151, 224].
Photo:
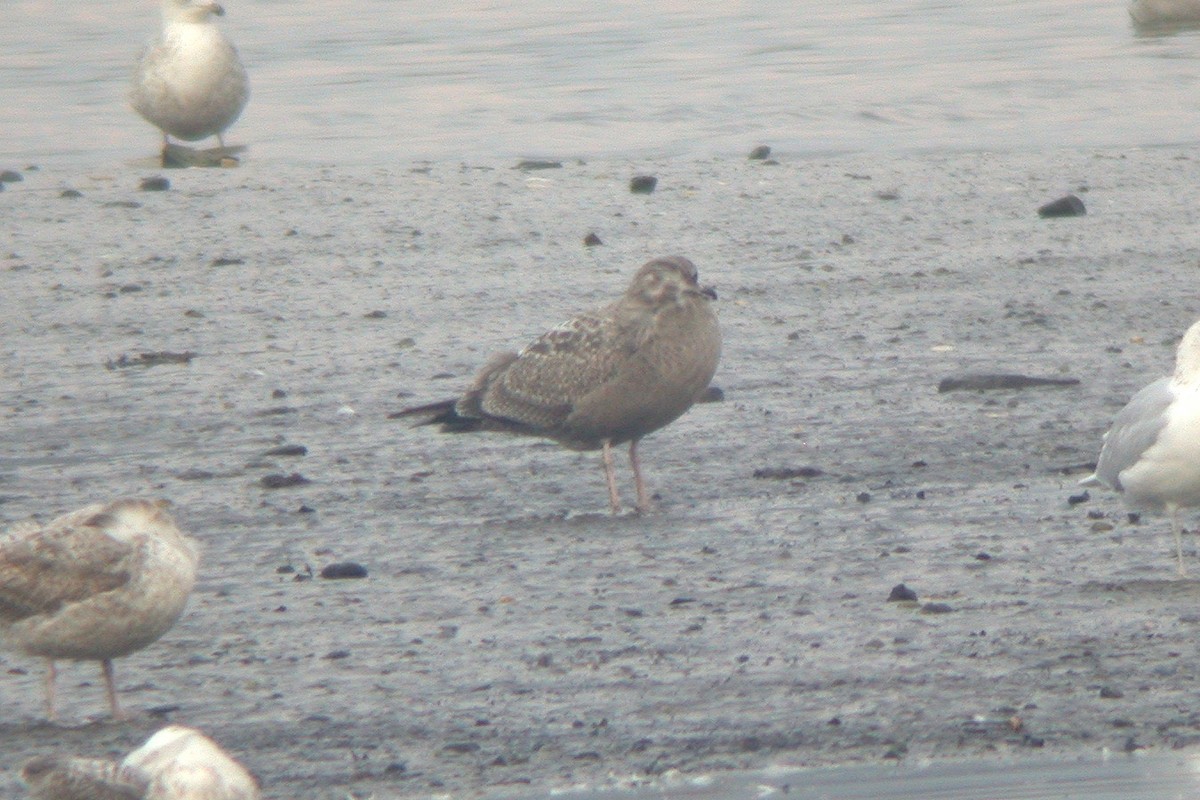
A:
[386, 81]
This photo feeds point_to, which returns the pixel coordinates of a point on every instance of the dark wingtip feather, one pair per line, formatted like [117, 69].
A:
[440, 413]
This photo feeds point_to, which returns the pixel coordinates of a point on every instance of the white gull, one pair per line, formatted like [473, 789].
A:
[176, 763]
[189, 82]
[1152, 452]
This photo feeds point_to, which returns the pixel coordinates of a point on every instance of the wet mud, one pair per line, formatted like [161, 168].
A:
[510, 637]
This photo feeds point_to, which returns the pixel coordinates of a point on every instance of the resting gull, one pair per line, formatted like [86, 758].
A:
[94, 585]
[176, 763]
[189, 82]
[1152, 451]
[605, 377]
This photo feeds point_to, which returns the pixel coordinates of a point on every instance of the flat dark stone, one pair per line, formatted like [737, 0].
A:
[1067, 206]
[983, 382]
[343, 570]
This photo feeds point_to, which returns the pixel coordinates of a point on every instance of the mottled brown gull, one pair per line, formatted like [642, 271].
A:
[176, 763]
[603, 378]
[189, 81]
[1152, 452]
[94, 585]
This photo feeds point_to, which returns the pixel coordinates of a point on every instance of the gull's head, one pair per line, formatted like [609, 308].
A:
[1187, 357]
[670, 280]
[191, 10]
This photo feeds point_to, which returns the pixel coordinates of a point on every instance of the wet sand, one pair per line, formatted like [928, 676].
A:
[512, 637]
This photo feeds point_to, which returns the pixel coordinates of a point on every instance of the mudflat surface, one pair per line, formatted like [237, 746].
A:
[512, 637]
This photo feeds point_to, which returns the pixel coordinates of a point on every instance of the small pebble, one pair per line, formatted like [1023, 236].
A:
[9, 176]
[277, 481]
[592, 240]
[760, 153]
[343, 570]
[643, 184]
[1076, 499]
[936, 608]
[1068, 206]
[901, 593]
[155, 183]
[70, 193]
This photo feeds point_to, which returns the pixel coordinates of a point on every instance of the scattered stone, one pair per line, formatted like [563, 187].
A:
[713, 394]
[461, 748]
[278, 481]
[643, 184]
[149, 359]
[287, 450]
[155, 183]
[10, 176]
[337, 654]
[987, 382]
[592, 240]
[863, 497]
[536, 164]
[760, 153]
[1066, 206]
[286, 569]
[70, 193]
[1076, 499]
[226, 262]
[983, 557]
[936, 608]
[901, 594]
[786, 473]
[195, 474]
[1111, 693]
[343, 570]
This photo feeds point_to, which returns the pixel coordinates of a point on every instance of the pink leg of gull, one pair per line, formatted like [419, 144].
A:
[614, 500]
[51, 676]
[1178, 539]
[643, 500]
[110, 688]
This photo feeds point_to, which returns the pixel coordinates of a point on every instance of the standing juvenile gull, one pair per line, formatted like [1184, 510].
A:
[94, 585]
[189, 82]
[1152, 451]
[176, 763]
[605, 377]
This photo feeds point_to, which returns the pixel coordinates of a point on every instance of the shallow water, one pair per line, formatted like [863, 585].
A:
[379, 81]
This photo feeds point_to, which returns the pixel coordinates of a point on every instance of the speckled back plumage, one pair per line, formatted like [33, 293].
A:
[57, 777]
[616, 373]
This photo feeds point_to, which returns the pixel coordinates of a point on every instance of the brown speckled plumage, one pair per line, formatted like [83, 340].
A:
[605, 377]
[94, 584]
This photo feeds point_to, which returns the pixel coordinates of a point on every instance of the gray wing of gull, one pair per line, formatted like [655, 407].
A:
[1134, 430]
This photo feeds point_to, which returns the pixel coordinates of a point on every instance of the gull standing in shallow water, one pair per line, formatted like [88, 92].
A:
[176, 763]
[1152, 451]
[189, 82]
[603, 378]
[94, 585]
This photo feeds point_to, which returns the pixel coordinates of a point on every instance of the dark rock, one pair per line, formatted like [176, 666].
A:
[535, 164]
[786, 473]
[337, 654]
[863, 497]
[155, 183]
[343, 570]
[986, 382]
[713, 394]
[1067, 206]
[10, 176]
[277, 481]
[643, 184]
[1076, 499]
[287, 450]
[936, 608]
[901, 593]
[592, 240]
[226, 262]
[375, 315]
[760, 153]
[1111, 693]
[70, 193]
